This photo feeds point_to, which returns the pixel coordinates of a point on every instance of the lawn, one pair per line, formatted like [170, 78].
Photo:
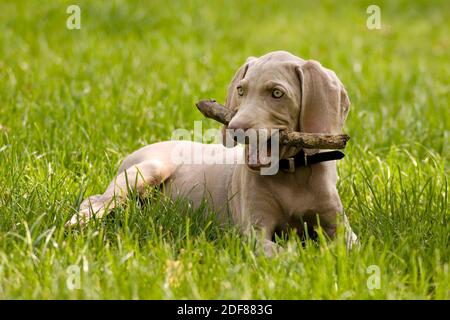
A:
[74, 103]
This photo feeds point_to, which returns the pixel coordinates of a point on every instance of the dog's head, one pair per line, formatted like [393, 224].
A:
[282, 91]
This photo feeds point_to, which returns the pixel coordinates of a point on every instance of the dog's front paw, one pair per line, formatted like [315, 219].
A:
[351, 240]
[271, 248]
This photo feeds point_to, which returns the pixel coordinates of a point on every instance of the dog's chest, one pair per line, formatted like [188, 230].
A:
[303, 195]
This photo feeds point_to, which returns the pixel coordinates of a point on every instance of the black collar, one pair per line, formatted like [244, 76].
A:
[303, 160]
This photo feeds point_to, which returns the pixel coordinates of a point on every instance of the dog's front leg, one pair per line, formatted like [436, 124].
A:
[262, 227]
[264, 242]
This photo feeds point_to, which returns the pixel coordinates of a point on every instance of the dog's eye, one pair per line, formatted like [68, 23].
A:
[277, 93]
[240, 91]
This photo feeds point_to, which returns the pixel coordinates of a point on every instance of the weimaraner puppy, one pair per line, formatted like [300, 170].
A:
[275, 91]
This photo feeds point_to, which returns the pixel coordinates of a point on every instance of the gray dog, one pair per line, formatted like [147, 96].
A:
[275, 91]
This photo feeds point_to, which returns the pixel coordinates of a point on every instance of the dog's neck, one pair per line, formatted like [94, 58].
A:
[305, 159]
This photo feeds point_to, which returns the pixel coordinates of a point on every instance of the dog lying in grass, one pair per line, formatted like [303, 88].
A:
[275, 91]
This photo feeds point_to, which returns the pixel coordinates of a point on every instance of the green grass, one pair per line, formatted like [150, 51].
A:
[73, 104]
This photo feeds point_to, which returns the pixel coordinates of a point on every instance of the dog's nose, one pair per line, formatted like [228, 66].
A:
[237, 124]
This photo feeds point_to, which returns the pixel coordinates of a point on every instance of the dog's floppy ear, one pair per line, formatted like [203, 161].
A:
[231, 99]
[324, 101]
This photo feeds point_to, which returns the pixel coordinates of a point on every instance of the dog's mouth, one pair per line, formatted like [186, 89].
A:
[258, 155]
[263, 149]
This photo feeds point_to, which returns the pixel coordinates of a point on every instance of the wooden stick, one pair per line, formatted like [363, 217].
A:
[214, 110]
[313, 140]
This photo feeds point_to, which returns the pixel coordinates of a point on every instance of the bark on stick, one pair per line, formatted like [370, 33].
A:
[214, 110]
